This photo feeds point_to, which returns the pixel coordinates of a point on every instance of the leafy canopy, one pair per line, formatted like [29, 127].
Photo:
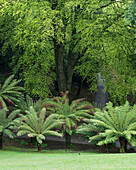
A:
[95, 37]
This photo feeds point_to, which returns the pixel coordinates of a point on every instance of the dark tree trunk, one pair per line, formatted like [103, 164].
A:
[79, 87]
[67, 140]
[64, 78]
[39, 146]
[59, 57]
[69, 77]
[123, 145]
[1, 137]
[70, 65]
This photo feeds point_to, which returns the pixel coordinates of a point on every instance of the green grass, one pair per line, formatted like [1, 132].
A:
[62, 160]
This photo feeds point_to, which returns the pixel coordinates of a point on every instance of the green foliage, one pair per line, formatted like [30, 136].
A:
[131, 13]
[25, 103]
[34, 124]
[29, 26]
[10, 91]
[7, 122]
[70, 113]
[112, 44]
[90, 37]
[87, 128]
[112, 124]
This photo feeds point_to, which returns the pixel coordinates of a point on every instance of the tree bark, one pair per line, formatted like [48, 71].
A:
[67, 140]
[123, 144]
[79, 87]
[59, 55]
[1, 140]
[59, 61]
[70, 65]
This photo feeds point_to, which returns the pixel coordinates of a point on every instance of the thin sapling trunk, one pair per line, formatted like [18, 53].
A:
[123, 145]
[67, 140]
[39, 146]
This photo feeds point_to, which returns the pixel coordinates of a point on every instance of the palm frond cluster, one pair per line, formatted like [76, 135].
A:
[6, 122]
[42, 118]
[25, 103]
[70, 113]
[112, 124]
[35, 124]
[10, 91]
[35, 121]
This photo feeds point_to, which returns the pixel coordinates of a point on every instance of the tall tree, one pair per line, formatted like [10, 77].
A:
[56, 38]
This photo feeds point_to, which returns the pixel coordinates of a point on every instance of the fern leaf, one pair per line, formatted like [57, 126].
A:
[6, 83]
[51, 133]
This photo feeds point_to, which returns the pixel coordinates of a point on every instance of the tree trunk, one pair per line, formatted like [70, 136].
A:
[69, 77]
[39, 146]
[70, 66]
[79, 87]
[1, 136]
[67, 140]
[59, 57]
[123, 145]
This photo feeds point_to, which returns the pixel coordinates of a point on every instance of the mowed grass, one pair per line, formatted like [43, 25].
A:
[62, 160]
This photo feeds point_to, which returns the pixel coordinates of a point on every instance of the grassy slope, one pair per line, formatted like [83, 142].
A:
[59, 160]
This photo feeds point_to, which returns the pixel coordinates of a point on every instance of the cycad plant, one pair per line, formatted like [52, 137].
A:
[35, 124]
[7, 123]
[70, 113]
[10, 91]
[25, 103]
[114, 123]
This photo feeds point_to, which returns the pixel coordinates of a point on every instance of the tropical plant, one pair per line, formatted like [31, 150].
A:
[10, 91]
[34, 124]
[25, 103]
[70, 113]
[112, 124]
[87, 128]
[7, 123]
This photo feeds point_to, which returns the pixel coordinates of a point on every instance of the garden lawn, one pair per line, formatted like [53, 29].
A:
[60, 160]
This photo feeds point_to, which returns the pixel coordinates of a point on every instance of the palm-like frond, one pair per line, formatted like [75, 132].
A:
[25, 103]
[10, 91]
[7, 121]
[35, 124]
[70, 113]
[112, 123]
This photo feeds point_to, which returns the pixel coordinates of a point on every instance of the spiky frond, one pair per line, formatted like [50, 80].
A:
[112, 123]
[25, 103]
[10, 91]
[35, 124]
[7, 121]
[9, 133]
[70, 113]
